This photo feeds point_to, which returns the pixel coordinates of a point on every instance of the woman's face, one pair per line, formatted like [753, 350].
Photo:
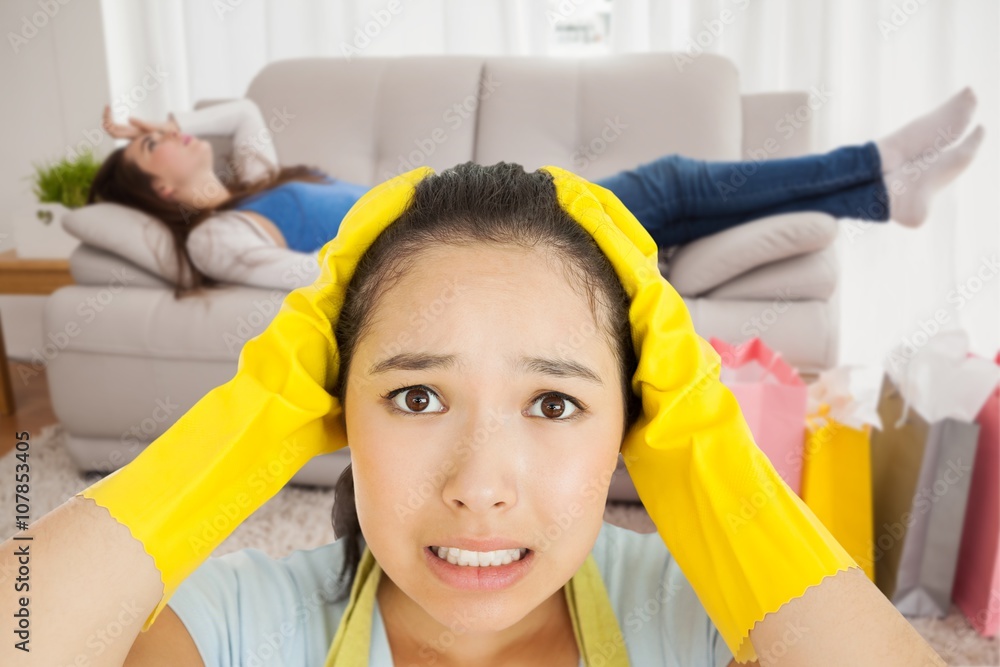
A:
[171, 159]
[484, 403]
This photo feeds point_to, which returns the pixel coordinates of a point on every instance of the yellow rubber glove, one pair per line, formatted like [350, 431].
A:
[241, 442]
[744, 540]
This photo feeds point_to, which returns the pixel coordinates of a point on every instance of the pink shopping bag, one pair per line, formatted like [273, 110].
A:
[772, 398]
[977, 578]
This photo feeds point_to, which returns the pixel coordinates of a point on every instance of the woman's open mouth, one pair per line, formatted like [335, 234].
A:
[473, 570]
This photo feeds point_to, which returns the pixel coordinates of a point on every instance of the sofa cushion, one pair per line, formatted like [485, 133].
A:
[367, 119]
[131, 234]
[710, 261]
[596, 117]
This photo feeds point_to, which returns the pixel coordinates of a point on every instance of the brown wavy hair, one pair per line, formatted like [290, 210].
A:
[500, 205]
[121, 181]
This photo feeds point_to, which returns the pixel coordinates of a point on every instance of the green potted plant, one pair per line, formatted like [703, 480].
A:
[58, 186]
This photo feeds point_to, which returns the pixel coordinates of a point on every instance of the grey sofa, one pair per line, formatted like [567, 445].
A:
[140, 358]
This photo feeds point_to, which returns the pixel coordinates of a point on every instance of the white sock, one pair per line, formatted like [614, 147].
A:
[912, 185]
[938, 129]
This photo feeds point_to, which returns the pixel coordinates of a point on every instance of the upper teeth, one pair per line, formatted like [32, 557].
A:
[478, 558]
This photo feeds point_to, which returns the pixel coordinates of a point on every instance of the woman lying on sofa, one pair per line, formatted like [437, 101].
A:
[261, 224]
[470, 522]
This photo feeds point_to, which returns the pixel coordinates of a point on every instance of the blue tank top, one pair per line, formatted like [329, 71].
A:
[308, 214]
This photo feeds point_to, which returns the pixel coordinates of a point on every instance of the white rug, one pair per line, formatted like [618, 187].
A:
[297, 518]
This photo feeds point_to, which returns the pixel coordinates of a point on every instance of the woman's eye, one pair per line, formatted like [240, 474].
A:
[555, 406]
[414, 400]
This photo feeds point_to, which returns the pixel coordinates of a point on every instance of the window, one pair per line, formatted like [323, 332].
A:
[579, 27]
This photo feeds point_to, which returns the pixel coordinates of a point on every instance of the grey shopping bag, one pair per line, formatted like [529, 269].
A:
[921, 473]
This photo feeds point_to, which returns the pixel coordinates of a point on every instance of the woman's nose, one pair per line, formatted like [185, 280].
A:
[484, 475]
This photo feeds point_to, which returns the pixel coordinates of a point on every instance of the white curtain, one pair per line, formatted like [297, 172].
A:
[882, 61]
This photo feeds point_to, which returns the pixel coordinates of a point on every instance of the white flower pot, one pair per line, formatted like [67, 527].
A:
[38, 232]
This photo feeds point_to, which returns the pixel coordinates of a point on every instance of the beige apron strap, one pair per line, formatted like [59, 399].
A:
[594, 622]
[352, 642]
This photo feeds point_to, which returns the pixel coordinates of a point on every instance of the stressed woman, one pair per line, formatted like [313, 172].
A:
[260, 224]
[470, 522]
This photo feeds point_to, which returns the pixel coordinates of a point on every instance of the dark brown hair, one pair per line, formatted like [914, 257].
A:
[500, 205]
[120, 180]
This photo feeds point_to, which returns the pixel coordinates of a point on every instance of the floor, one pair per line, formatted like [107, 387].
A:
[34, 411]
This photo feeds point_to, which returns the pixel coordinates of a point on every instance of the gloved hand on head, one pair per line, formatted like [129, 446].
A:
[746, 543]
[241, 442]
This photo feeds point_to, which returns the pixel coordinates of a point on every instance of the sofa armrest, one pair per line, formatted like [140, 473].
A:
[90, 265]
[810, 276]
[699, 266]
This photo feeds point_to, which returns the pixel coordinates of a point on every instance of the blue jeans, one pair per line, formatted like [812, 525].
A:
[678, 199]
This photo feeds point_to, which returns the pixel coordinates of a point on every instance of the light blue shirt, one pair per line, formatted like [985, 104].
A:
[246, 609]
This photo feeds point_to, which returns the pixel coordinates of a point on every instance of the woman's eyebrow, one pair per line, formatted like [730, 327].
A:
[558, 368]
[417, 361]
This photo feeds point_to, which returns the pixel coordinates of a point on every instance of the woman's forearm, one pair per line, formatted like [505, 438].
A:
[253, 152]
[845, 620]
[92, 586]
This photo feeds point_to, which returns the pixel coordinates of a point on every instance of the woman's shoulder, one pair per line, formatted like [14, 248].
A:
[231, 601]
[313, 572]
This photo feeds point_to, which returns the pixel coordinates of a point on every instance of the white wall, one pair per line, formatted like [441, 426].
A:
[55, 81]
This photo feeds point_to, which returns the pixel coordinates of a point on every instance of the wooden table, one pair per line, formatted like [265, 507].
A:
[19, 275]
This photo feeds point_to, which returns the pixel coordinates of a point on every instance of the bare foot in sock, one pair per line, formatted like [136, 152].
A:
[938, 129]
[913, 185]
